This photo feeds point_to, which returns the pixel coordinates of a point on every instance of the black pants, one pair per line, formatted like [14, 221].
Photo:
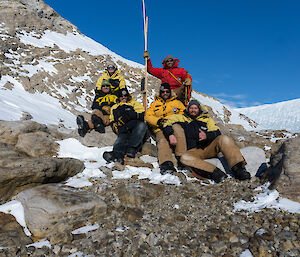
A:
[133, 138]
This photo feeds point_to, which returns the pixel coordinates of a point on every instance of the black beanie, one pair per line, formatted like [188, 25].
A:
[165, 86]
[194, 102]
[123, 92]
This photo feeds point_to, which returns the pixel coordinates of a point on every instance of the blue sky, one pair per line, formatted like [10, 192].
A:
[243, 52]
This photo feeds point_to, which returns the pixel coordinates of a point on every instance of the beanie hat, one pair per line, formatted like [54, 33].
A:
[165, 86]
[122, 92]
[194, 102]
[105, 82]
[109, 63]
[167, 58]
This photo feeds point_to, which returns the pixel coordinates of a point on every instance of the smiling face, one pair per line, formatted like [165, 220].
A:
[105, 88]
[111, 69]
[123, 98]
[194, 110]
[165, 94]
[170, 63]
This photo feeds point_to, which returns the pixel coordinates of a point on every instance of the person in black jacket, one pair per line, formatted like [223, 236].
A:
[204, 141]
[127, 121]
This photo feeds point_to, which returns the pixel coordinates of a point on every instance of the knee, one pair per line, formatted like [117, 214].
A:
[225, 139]
[186, 158]
[141, 127]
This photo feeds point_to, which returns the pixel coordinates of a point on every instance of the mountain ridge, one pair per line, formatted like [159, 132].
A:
[281, 115]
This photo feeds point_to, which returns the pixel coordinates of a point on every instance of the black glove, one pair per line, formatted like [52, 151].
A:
[160, 122]
[114, 82]
[130, 115]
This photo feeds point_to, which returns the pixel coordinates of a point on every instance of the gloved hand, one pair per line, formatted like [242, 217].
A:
[188, 82]
[160, 122]
[106, 109]
[146, 54]
[130, 115]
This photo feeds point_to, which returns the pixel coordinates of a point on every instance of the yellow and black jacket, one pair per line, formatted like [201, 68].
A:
[104, 101]
[191, 126]
[162, 109]
[116, 81]
[121, 118]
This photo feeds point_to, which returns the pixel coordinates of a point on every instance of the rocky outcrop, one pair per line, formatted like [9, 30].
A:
[32, 14]
[284, 172]
[11, 233]
[19, 172]
[53, 211]
[26, 157]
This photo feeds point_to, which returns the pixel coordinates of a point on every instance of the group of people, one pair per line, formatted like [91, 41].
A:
[179, 125]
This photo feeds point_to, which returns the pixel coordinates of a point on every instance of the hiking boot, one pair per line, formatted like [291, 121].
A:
[109, 156]
[239, 171]
[218, 175]
[98, 124]
[131, 152]
[113, 157]
[167, 168]
[83, 126]
[180, 165]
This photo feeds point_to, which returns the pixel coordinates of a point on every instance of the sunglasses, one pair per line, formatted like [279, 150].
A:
[170, 60]
[165, 91]
[110, 67]
[105, 85]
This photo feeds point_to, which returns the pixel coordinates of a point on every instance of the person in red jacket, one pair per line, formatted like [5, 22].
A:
[178, 78]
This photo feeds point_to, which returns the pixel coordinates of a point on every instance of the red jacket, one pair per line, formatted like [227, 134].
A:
[166, 77]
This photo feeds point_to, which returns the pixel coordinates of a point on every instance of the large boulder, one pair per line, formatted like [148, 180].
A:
[11, 233]
[18, 172]
[254, 156]
[284, 171]
[10, 130]
[52, 211]
[37, 144]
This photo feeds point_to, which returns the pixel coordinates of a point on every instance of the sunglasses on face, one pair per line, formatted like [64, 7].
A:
[170, 60]
[165, 91]
[106, 86]
[110, 67]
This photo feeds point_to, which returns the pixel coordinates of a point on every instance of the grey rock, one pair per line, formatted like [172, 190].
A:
[284, 171]
[53, 211]
[18, 172]
[11, 233]
[11, 130]
[37, 144]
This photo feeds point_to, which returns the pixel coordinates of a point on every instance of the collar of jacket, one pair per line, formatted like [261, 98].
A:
[203, 113]
[115, 74]
[176, 61]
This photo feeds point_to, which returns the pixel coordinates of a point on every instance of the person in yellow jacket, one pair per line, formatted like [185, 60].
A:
[164, 105]
[127, 121]
[113, 76]
[204, 141]
[101, 106]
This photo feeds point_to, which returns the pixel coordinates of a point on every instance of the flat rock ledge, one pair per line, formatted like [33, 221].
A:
[18, 173]
[52, 211]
